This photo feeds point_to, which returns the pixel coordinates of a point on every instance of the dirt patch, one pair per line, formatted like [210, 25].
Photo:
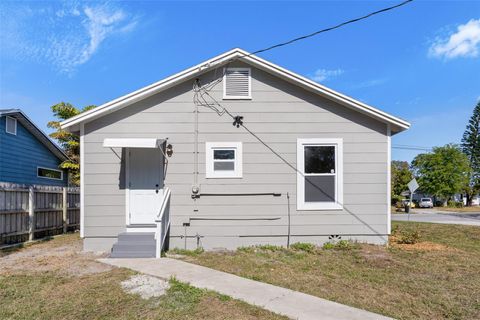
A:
[423, 246]
[62, 254]
[377, 256]
[146, 286]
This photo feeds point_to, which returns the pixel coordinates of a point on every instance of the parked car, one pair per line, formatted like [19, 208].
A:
[426, 203]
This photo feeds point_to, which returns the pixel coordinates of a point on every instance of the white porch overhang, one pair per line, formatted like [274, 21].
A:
[133, 143]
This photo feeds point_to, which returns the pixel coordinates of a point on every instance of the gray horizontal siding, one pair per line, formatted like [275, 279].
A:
[280, 114]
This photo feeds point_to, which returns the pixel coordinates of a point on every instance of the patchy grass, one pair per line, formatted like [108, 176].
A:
[41, 288]
[100, 296]
[437, 277]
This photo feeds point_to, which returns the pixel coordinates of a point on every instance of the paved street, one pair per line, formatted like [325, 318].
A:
[435, 216]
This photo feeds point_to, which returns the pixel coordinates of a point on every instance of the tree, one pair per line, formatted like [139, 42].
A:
[471, 147]
[442, 173]
[401, 176]
[68, 141]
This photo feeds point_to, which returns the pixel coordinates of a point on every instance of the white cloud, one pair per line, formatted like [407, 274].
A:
[464, 42]
[65, 35]
[370, 83]
[323, 74]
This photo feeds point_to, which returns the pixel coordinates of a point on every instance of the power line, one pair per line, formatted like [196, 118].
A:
[215, 82]
[329, 28]
[411, 147]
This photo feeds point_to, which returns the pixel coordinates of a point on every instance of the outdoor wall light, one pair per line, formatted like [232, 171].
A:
[169, 150]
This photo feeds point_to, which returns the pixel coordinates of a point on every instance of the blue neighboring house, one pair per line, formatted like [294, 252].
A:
[27, 155]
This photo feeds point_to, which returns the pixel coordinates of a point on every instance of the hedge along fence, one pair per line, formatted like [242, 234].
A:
[32, 212]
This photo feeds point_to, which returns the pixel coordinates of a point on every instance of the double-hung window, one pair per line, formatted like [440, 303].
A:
[320, 174]
[223, 159]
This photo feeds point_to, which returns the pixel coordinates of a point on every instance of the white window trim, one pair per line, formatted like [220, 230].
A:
[61, 174]
[15, 121]
[210, 173]
[338, 204]
[249, 97]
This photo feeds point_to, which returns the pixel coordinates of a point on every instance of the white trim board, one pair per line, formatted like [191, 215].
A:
[127, 186]
[126, 100]
[82, 180]
[389, 180]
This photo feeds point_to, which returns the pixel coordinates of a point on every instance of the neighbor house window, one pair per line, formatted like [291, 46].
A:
[49, 173]
[11, 125]
[224, 159]
[319, 176]
[237, 83]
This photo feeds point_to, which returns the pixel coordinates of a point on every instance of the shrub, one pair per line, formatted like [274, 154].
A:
[303, 246]
[343, 245]
[249, 249]
[406, 236]
[340, 245]
[396, 199]
[187, 252]
[263, 247]
[454, 204]
[269, 247]
[328, 246]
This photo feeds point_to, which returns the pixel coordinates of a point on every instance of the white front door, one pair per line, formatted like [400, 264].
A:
[145, 181]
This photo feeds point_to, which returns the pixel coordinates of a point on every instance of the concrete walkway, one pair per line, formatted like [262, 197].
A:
[432, 217]
[293, 304]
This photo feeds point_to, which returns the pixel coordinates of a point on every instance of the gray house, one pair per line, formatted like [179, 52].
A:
[235, 151]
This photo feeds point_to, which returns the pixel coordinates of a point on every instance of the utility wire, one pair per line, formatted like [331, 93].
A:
[411, 147]
[215, 82]
[329, 28]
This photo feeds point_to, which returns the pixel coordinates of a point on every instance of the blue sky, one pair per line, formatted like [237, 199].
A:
[420, 62]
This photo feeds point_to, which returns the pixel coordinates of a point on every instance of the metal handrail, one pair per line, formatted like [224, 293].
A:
[163, 221]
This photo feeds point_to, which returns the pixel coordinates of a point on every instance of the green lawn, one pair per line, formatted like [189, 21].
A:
[48, 281]
[437, 278]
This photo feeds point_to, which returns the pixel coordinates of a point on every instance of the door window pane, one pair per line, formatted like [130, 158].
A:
[319, 159]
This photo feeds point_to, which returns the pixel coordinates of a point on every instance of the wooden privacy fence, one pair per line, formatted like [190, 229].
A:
[32, 212]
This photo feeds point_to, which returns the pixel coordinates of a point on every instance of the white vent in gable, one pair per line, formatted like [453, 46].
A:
[237, 83]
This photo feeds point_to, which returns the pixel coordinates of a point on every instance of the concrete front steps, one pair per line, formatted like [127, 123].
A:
[134, 245]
